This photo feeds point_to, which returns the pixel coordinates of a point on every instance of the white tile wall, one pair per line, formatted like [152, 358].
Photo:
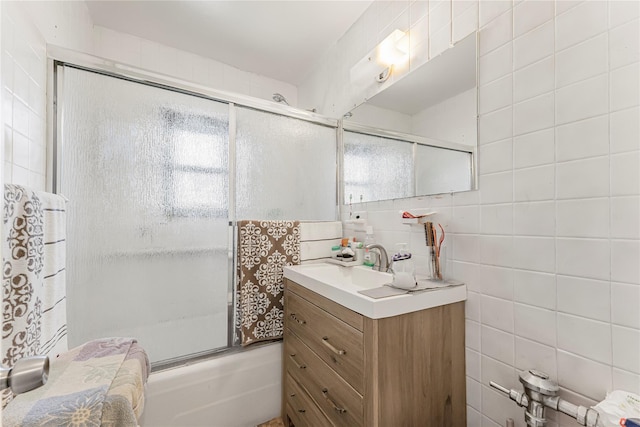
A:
[536, 324]
[582, 100]
[584, 297]
[533, 184]
[534, 80]
[624, 298]
[496, 219]
[584, 60]
[625, 130]
[533, 149]
[585, 138]
[496, 64]
[625, 212]
[497, 156]
[558, 238]
[533, 45]
[531, 354]
[579, 373]
[534, 218]
[583, 218]
[23, 92]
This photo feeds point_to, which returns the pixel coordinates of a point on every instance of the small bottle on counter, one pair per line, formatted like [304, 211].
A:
[335, 250]
[358, 248]
[403, 268]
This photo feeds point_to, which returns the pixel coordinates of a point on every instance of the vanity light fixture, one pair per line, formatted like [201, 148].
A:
[390, 53]
[394, 49]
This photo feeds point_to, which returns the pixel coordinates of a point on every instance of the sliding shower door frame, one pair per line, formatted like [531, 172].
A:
[60, 57]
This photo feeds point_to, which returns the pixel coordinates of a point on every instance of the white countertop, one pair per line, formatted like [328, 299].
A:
[341, 285]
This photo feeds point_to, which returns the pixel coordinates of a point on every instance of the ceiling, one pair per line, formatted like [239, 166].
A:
[283, 40]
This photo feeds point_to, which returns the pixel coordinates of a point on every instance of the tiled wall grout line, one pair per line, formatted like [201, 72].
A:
[555, 159]
[610, 187]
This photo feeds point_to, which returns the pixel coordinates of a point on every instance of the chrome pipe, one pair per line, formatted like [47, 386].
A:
[539, 393]
[26, 374]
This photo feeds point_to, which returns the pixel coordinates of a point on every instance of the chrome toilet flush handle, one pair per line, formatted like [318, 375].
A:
[540, 393]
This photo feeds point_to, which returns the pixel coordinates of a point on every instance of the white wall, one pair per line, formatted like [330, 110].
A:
[549, 245]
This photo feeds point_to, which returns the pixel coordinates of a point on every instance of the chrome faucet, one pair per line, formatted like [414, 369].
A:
[382, 261]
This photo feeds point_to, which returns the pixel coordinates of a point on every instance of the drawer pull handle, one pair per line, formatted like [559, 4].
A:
[293, 316]
[302, 410]
[325, 393]
[296, 363]
[325, 341]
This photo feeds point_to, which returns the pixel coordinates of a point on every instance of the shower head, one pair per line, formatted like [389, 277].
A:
[280, 98]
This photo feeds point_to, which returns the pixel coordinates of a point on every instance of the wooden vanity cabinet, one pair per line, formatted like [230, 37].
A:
[345, 370]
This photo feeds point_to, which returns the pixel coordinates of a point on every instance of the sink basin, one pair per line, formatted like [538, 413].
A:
[341, 285]
[357, 277]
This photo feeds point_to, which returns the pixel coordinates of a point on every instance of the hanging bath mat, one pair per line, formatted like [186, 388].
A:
[264, 249]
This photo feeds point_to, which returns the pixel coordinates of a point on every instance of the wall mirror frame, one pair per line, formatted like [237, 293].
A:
[416, 137]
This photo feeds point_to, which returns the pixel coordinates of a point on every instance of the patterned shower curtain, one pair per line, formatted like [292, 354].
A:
[34, 320]
[264, 249]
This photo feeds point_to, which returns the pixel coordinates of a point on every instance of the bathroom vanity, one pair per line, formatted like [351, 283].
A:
[382, 368]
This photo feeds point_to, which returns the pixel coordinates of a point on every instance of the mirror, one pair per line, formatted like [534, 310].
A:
[418, 136]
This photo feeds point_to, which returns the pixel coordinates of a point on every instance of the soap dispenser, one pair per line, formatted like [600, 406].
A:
[403, 269]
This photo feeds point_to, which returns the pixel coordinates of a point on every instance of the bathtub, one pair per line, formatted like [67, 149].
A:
[237, 390]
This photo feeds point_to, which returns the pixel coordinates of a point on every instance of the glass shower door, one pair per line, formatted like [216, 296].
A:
[285, 167]
[146, 172]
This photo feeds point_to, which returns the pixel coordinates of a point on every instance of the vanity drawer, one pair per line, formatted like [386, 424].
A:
[301, 408]
[339, 345]
[337, 399]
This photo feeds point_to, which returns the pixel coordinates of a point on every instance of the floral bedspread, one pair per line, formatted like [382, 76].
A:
[100, 383]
